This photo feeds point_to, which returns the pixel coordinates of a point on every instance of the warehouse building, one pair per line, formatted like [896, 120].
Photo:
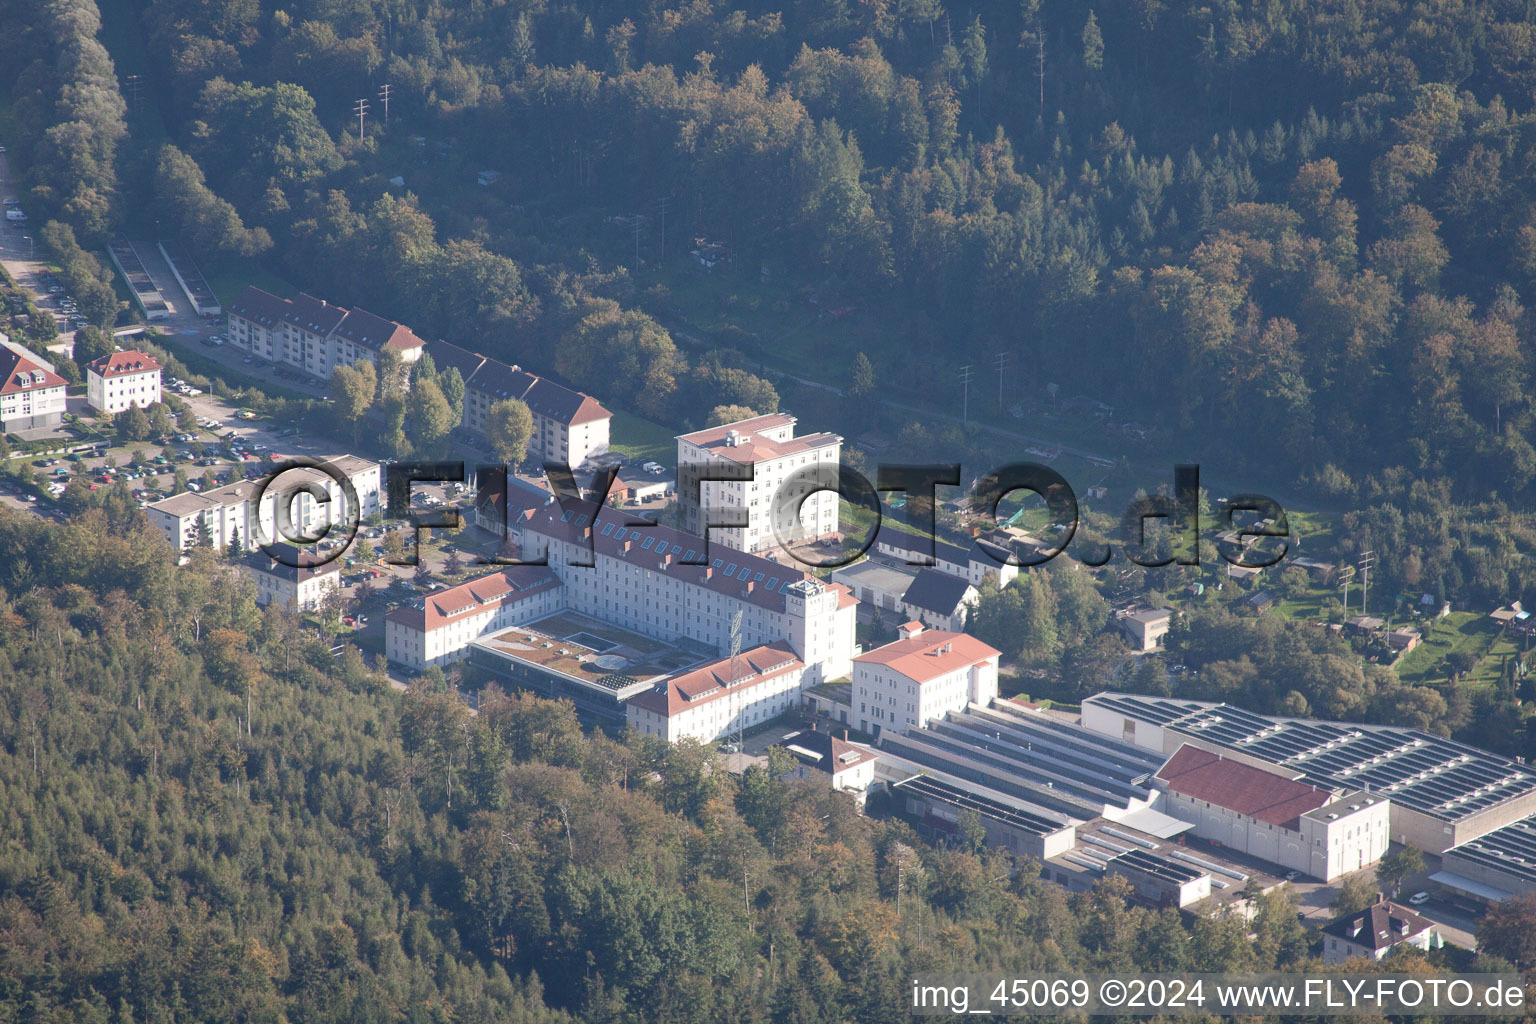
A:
[1493, 867]
[1442, 793]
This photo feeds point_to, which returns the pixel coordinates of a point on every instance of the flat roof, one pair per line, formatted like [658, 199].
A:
[1435, 776]
[591, 652]
[930, 788]
[1511, 851]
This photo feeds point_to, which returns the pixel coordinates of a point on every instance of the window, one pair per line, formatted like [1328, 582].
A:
[691, 555]
[758, 578]
[608, 529]
[567, 517]
[730, 570]
[646, 545]
[581, 520]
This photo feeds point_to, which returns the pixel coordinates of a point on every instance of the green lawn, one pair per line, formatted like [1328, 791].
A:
[1469, 632]
[635, 438]
[229, 277]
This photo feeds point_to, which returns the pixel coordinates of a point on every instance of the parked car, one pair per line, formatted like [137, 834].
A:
[1418, 899]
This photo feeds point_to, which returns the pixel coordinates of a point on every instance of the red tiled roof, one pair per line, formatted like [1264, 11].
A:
[120, 363]
[1265, 796]
[441, 607]
[666, 551]
[496, 380]
[752, 446]
[24, 374]
[707, 683]
[930, 654]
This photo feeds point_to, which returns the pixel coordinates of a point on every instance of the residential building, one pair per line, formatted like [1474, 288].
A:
[1272, 816]
[568, 426]
[641, 576]
[850, 767]
[437, 628]
[31, 394]
[314, 336]
[939, 600]
[768, 446]
[231, 516]
[1146, 628]
[122, 380]
[297, 582]
[1375, 932]
[716, 700]
[975, 563]
[921, 676]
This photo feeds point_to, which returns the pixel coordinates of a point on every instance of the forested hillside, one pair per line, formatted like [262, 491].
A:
[1295, 238]
[203, 818]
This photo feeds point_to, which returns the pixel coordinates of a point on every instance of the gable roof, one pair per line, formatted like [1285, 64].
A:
[1378, 927]
[712, 681]
[496, 380]
[937, 592]
[730, 573]
[446, 355]
[824, 751]
[119, 363]
[930, 654]
[314, 315]
[259, 306]
[309, 564]
[371, 331]
[440, 607]
[22, 372]
[1265, 796]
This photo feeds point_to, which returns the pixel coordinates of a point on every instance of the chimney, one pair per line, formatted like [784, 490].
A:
[709, 571]
[751, 585]
[627, 545]
[845, 735]
[909, 630]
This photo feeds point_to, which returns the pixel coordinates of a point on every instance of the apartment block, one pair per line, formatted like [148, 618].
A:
[769, 447]
[121, 381]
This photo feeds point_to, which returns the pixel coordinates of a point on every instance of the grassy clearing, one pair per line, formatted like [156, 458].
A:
[636, 438]
[228, 278]
[1460, 632]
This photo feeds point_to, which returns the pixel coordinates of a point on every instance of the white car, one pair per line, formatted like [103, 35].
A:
[1418, 899]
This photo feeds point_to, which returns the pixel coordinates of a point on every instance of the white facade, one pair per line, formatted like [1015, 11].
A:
[437, 628]
[924, 675]
[32, 395]
[231, 515]
[635, 586]
[704, 704]
[766, 444]
[1333, 840]
[121, 381]
[294, 589]
[312, 335]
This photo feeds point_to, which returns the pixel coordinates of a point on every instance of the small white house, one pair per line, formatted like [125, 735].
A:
[121, 381]
[1375, 932]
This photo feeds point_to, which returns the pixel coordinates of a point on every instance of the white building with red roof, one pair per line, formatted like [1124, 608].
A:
[122, 380]
[712, 702]
[568, 426]
[1272, 815]
[437, 628]
[768, 445]
[655, 580]
[924, 674]
[31, 394]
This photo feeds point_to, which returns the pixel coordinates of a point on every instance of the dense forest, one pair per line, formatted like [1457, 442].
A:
[203, 816]
[1321, 284]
